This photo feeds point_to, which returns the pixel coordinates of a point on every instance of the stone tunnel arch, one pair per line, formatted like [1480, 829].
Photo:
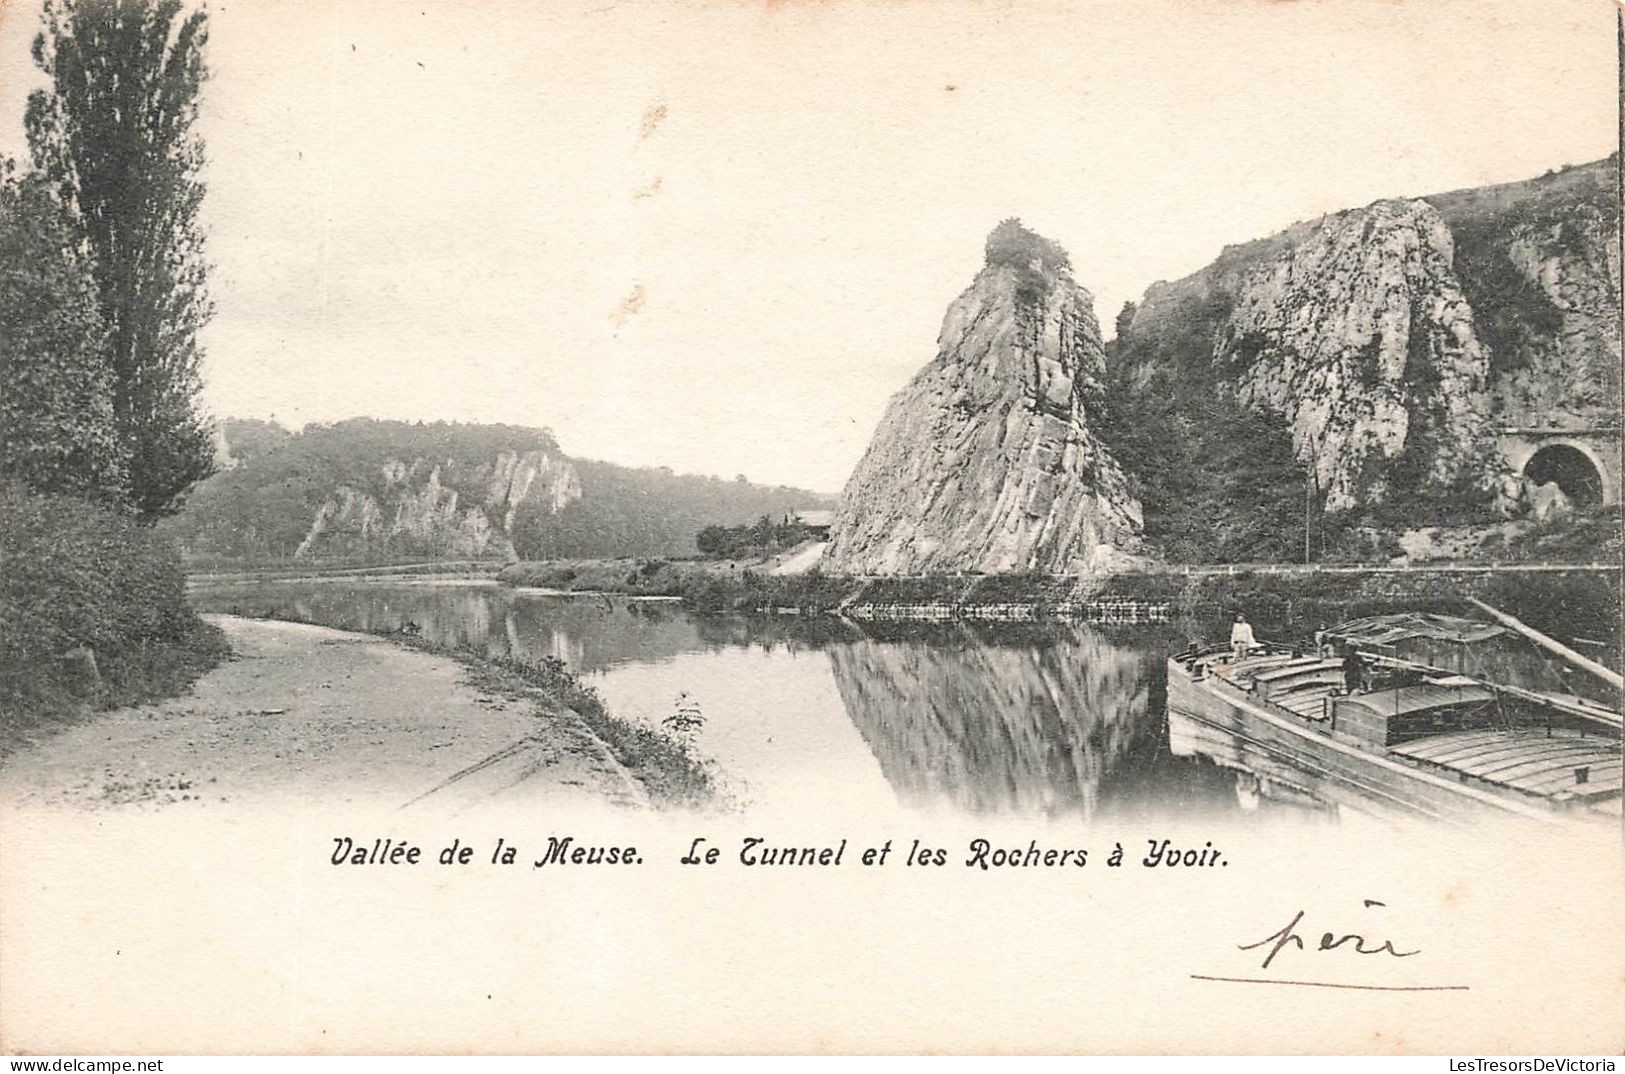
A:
[1574, 469]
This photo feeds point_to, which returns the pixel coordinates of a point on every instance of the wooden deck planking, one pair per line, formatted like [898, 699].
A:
[1250, 666]
[1601, 772]
[1299, 667]
[1515, 751]
[1556, 751]
[1601, 777]
[1537, 774]
[1318, 681]
[1532, 760]
[1426, 749]
[1468, 753]
[1529, 760]
[1309, 710]
[1591, 789]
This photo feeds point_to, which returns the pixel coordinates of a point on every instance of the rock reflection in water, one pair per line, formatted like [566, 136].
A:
[1000, 722]
[1020, 718]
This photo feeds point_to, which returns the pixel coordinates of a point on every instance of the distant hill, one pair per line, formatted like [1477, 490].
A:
[368, 489]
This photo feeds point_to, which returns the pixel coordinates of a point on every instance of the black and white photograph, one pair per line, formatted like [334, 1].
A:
[1067, 526]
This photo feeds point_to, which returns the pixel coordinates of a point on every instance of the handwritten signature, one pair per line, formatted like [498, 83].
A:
[1294, 934]
[1288, 935]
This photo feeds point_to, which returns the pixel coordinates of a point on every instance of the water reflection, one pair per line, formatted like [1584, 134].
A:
[825, 714]
[588, 633]
[993, 721]
[1008, 719]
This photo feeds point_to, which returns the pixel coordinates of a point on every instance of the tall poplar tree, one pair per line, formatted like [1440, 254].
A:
[56, 392]
[114, 136]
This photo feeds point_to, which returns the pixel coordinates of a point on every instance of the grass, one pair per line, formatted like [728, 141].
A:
[664, 764]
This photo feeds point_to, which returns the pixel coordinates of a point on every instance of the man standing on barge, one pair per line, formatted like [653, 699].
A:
[1241, 638]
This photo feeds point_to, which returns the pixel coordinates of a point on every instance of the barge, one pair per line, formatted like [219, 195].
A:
[1351, 725]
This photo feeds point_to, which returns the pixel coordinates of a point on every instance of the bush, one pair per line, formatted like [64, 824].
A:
[665, 764]
[1013, 245]
[80, 575]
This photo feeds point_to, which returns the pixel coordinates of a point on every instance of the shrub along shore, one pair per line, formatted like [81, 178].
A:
[93, 614]
[664, 763]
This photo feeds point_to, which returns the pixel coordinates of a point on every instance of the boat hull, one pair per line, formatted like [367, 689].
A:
[1212, 717]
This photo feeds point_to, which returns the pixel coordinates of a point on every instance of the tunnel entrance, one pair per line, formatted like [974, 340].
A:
[1571, 469]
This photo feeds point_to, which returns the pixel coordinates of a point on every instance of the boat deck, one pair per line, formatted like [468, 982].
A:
[1553, 764]
[1299, 684]
[1535, 761]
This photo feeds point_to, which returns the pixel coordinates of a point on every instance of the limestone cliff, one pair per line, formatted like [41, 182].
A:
[1540, 262]
[1393, 341]
[378, 489]
[411, 513]
[1361, 338]
[986, 460]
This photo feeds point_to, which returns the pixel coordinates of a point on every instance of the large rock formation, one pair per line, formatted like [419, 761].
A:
[1540, 261]
[373, 489]
[1361, 338]
[986, 460]
[1394, 341]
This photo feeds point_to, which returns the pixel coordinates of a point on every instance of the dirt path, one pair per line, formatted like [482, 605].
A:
[304, 713]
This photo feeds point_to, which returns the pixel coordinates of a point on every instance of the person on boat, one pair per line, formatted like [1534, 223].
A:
[1241, 638]
[1353, 671]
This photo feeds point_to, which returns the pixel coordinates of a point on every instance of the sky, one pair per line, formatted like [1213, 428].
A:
[717, 236]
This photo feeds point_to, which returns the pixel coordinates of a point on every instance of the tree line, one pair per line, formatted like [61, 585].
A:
[103, 275]
[763, 535]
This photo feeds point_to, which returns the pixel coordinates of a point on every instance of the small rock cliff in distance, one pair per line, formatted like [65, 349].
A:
[986, 461]
[372, 490]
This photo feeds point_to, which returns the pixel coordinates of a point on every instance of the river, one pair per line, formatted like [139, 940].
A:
[1054, 719]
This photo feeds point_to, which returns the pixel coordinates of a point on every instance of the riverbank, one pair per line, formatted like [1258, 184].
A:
[1568, 599]
[308, 713]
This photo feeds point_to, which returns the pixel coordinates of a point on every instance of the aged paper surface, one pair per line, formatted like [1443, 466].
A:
[717, 238]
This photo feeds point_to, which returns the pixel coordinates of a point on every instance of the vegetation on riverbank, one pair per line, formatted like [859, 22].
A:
[1278, 599]
[103, 296]
[665, 764]
[93, 614]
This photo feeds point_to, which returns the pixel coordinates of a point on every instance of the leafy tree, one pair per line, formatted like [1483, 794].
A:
[114, 137]
[56, 396]
[1217, 481]
[1012, 243]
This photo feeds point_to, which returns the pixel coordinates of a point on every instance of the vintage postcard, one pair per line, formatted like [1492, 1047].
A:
[760, 527]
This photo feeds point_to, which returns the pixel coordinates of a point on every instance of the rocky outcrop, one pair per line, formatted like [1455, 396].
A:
[424, 515]
[1569, 375]
[1396, 340]
[1361, 338]
[986, 460]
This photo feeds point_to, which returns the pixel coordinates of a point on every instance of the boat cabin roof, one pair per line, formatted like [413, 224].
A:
[1404, 700]
[1542, 763]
